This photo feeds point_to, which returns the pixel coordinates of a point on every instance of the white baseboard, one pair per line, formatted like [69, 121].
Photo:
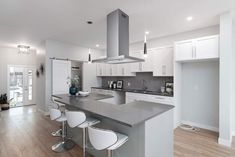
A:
[43, 112]
[203, 126]
[227, 143]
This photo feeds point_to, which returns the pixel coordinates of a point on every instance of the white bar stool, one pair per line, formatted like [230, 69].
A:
[106, 139]
[65, 144]
[61, 107]
[79, 119]
[57, 133]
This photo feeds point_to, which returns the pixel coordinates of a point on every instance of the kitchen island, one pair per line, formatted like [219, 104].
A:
[148, 125]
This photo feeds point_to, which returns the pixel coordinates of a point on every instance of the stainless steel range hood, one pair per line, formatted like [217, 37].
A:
[118, 39]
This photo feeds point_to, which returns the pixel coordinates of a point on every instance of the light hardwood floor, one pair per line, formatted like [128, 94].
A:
[24, 132]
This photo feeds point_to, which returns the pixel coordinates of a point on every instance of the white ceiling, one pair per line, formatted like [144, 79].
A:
[33, 21]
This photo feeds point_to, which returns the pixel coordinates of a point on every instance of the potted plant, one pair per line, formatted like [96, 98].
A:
[4, 102]
[74, 86]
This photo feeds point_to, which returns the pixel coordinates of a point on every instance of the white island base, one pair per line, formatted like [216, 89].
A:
[152, 138]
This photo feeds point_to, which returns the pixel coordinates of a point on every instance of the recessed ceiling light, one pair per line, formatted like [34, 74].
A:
[97, 45]
[189, 18]
[89, 22]
[147, 32]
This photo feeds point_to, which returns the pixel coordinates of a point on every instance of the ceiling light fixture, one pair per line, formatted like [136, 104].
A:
[97, 45]
[190, 18]
[145, 44]
[23, 49]
[89, 57]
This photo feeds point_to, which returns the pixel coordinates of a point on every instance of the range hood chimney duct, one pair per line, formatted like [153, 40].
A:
[118, 39]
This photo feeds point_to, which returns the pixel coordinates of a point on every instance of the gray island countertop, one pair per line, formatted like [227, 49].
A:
[129, 114]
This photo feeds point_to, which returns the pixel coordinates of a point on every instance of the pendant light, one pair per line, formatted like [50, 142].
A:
[145, 44]
[89, 57]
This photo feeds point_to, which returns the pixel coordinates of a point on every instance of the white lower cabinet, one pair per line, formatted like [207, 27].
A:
[131, 97]
[117, 99]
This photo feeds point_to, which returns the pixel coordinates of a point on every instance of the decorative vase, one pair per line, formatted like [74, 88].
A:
[73, 90]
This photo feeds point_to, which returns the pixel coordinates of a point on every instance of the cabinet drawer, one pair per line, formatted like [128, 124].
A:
[130, 97]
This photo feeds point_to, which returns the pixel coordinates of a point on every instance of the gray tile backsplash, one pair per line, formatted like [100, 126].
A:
[153, 83]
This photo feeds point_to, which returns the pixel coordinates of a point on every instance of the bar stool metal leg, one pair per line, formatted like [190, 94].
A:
[65, 144]
[84, 142]
[57, 133]
[109, 153]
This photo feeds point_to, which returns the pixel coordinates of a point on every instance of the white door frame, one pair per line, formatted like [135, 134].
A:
[34, 79]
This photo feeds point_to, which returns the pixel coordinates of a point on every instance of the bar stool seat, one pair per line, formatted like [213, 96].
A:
[106, 139]
[121, 139]
[89, 122]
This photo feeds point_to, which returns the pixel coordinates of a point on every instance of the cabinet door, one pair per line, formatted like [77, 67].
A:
[184, 50]
[98, 69]
[137, 67]
[167, 62]
[157, 62]
[163, 61]
[147, 65]
[207, 47]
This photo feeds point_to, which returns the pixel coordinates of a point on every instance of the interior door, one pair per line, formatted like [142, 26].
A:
[21, 85]
[61, 75]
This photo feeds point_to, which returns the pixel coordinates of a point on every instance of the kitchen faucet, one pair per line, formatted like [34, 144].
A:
[144, 87]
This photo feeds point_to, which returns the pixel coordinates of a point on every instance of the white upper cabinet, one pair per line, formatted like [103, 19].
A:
[184, 50]
[196, 49]
[111, 69]
[124, 70]
[103, 69]
[145, 66]
[207, 47]
[162, 61]
[100, 69]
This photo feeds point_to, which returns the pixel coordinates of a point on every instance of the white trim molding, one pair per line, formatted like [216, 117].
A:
[233, 133]
[225, 142]
[203, 126]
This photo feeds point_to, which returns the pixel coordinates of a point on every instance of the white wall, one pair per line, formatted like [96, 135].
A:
[10, 56]
[65, 50]
[233, 101]
[225, 110]
[200, 93]
[40, 81]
